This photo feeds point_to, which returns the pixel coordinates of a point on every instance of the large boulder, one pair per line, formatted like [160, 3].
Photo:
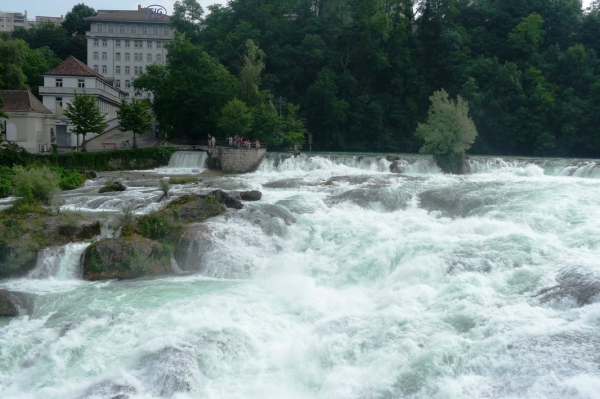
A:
[252, 195]
[195, 240]
[124, 258]
[8, 307]
[392, 158]
[397, 167]
[230, 200]
[113, 186]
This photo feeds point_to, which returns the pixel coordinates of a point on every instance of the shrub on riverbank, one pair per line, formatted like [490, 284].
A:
[35, 184]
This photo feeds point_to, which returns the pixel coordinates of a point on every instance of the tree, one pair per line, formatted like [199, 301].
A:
[235, 118]
[135, 117]
[2, 113]
[74, 21]
[291, 127]
[448, 132]
[190, 91]
[249, 80]
[11, 64]
[85, 116]
[187, 18]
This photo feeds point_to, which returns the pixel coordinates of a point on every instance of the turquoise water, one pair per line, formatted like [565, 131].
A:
[344, 281]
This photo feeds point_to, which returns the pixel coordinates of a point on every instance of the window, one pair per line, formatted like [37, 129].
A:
[127, 43]
[104, 70]
[110, 28]
[118, 70]
[117, 43]
[118, 83]
[167, 30]
[138, 44]
[149, 44]
[159, 57]
[95, 55]
[136, 71]
[59, 101]
[96, 68]
[158, 44]
[95, 42]
[104, 55]
[58, 82]
[128, 83]
[155, 30]
[127, 70]
[127, 57]
[149, 95]
[135, 57]
[145, 30]
[117, 56]
[98, 27]
[137, 94]
[132, 29]
[121, 28]
[126, 94]
[81, 82]
[104, 43]
[148, 57]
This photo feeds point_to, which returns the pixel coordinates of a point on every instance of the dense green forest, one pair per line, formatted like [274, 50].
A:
[362, 71]
[359, 73]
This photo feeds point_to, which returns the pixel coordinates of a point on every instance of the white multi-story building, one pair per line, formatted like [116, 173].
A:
[73, 76]
[121, 44]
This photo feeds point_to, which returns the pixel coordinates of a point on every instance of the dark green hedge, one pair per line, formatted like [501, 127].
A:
[111, 160]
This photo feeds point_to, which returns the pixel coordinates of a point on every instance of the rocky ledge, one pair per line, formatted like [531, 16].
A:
[8, 304]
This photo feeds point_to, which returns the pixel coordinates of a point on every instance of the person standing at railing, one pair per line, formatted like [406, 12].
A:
[209, 140]
[257, 144]
[213, 141]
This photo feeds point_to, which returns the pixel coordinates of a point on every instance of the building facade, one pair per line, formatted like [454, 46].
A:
[121, 44]
[30, 124]
[11, 20]
[73, 76]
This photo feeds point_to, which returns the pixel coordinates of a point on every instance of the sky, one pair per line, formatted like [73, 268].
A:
[57, 8]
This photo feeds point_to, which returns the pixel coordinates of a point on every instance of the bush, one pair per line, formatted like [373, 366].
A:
[35, 184]
[68, 179]
[6, 181]
[155, 226]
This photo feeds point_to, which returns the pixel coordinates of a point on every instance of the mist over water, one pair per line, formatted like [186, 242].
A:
[344, 281]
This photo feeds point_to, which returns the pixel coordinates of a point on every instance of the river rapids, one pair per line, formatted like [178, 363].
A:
[343, 281]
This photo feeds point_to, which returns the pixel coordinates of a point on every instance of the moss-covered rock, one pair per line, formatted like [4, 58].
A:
[25, 231]
[113, 186]
[252, 195]
[124, 258]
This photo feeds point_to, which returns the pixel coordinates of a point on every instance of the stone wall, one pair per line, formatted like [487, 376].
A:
[241, 160]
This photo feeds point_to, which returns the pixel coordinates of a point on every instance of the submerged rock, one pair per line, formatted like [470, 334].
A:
[397, 167]
[109, 389]
[8, 306]
[252, 195]
[169, 371]
[124, 258]
[579, 284]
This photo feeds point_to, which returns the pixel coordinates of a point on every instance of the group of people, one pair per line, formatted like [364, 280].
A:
[235, 142]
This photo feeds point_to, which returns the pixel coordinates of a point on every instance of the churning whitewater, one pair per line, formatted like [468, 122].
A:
[343, 281]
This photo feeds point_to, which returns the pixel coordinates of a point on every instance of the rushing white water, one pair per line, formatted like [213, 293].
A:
[185, 162]
[344, 281]
[61, 263]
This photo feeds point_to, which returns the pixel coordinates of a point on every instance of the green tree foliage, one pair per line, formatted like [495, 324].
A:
[187, 18]
[11, 64]
[74, 22]
[85, 116]
[235, 118]
[2, 113]
[35, 185]
[135, 116]
[448, 132]
[249, 80]
[189, 91]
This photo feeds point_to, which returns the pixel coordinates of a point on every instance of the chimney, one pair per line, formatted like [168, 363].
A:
[139, 7]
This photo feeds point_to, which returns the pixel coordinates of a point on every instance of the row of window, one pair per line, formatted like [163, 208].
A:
[80, 82]
[136, 70]
[135, 29]
[136, 43]
[139, 57]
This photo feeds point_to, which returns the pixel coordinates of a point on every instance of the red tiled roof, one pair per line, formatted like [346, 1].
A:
[73, 67]
[22, 100]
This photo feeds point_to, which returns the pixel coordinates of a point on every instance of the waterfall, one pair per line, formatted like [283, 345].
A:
[61, 263]
[188, 160]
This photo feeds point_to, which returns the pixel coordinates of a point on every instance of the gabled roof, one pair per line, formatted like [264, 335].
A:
[23, 101]
[73, 67]
[140, 15]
